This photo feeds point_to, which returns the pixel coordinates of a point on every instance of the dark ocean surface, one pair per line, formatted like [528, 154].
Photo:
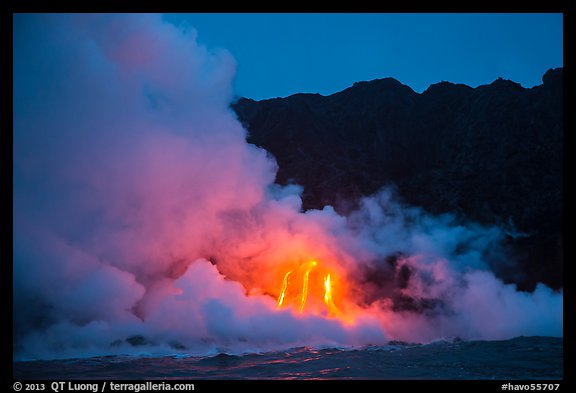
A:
[518, 358]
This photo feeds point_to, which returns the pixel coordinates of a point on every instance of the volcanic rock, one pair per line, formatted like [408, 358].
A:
[492, 154]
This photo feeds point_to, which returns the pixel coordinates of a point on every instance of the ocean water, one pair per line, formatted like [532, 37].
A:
[519, 358]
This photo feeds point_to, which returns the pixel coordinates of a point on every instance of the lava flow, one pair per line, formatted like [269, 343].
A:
[303, 287]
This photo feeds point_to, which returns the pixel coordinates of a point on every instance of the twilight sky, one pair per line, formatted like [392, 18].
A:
[283, 54]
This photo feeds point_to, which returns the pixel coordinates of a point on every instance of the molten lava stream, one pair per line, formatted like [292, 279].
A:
[309, 288]
[328, 295]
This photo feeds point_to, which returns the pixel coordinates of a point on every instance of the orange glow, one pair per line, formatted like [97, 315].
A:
[284, 286]
[328, 295]
[310, 287]
[305, 285]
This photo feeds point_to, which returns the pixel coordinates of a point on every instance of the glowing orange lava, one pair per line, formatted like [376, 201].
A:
[305, 285]
[284, 286]
[328, 295]
[308, 287]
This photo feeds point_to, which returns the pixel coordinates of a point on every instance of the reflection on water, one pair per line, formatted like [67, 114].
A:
[519, 358]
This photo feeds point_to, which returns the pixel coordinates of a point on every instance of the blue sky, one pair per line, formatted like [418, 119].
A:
[283, 54]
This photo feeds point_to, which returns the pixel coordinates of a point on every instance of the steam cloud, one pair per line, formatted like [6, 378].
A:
[144, 222]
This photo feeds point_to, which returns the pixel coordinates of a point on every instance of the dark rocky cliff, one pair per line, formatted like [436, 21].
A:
[492, 154]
